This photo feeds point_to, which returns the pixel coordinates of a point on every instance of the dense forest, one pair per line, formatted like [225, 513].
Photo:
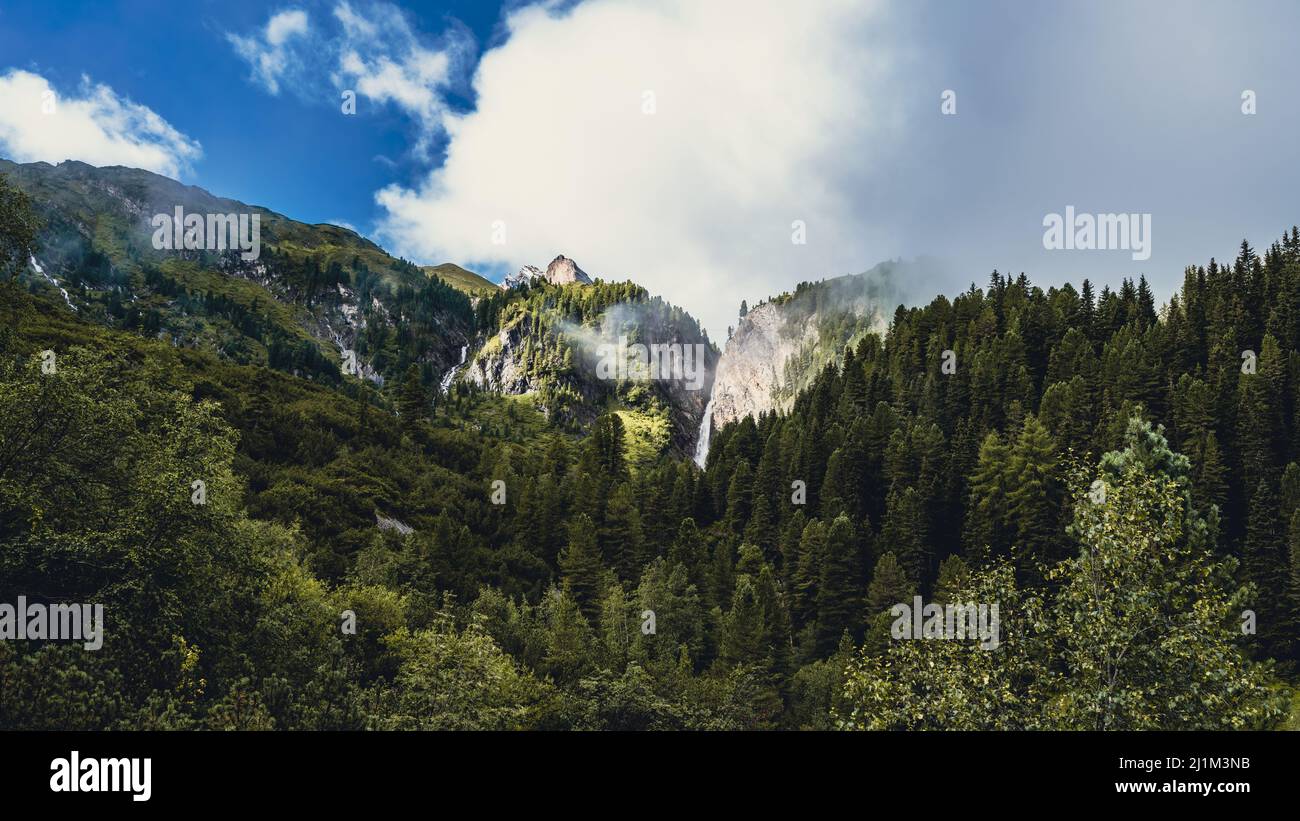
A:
[1122, 479]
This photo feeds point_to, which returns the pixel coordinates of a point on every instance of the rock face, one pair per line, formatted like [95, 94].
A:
[546, 347]
[525, 275]
[499, 365]
[753, 362]
[781, 345]
[561, 271]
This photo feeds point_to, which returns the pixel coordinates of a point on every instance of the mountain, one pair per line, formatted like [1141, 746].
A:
[564, 271]
[570, 342]
[467, 282]
[323, 302]
[561, 271]
[780, 345]
[315, 300]
[501, 551]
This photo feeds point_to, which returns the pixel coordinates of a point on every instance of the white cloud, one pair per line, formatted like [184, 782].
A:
[762, 116]
[269, 53]
[381, 57]
[95, 126]
[372, 50]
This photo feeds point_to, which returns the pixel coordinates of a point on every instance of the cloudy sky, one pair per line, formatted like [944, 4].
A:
[688, 144]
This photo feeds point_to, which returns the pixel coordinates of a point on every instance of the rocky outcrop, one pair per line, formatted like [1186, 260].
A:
[564, 271]
[561, 271]
[752, 367]
[781, 345]
[499, 366]
[570, 360]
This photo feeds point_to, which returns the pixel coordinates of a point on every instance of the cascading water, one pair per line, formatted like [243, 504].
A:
[37, 267]
[451, 374]
[706, 430]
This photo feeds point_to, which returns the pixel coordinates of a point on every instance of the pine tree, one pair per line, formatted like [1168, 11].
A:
[776, 621]
[954, 578]
[764, 519]
[740, 492]
[905, 530]
[690, 552]
[807, 574]
[621, 534]
[1266, 565]
[839, 596]
[889, 586]
[986, 506]
[743, 630]
[412, 401]
[581, 566]
[1259, 417]
[1035, 493]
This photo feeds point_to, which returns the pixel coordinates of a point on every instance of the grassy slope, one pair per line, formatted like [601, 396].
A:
[457, 277]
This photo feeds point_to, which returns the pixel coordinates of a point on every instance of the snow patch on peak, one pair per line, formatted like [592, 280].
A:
[561, 271]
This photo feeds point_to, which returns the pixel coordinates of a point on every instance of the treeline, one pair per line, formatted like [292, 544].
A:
[928, 463]
[504, 571]
[229, 613]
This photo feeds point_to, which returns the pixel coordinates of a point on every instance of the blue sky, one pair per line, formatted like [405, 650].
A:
[297, 156]
[679, 143]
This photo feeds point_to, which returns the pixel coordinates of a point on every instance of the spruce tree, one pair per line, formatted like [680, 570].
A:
[839, 596]
[581, 566]
[1035, 494]
[412, 401]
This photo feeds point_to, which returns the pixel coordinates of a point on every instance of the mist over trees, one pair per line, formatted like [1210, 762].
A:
[1122, 479]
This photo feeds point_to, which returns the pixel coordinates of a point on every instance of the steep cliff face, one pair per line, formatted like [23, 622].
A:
[501, 365]
[752, 367]
[561, 271]
[780, 345]
[564, 271]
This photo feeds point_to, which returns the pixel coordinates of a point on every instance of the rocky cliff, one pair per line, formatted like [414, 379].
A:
[561, 271]
[582, 348]
[782, 343]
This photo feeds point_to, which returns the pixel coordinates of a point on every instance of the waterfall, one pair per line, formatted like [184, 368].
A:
[706, 430]
[37, 266]
[451, 374]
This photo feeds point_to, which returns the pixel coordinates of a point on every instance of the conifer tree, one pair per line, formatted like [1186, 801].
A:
[412, 401]
[987, 505]
[808, 574]
[1266, 565]
[621, 534]
[1035, 493]
[581, 566]
[839, 595]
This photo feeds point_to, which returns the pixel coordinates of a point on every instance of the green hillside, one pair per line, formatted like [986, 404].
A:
[1106, 472]
[314, 292]
[467, 282]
